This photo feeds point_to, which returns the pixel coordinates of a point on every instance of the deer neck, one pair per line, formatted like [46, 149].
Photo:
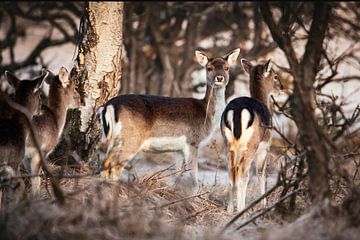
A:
[59, 110]
[214, 101]
[259, 91]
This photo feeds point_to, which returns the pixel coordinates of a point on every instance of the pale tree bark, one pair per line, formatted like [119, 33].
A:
[100, 57]
[98, 69]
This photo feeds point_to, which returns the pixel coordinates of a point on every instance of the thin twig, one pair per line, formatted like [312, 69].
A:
[208, 103]
[179, 200]
[268, 209]
[278, 184]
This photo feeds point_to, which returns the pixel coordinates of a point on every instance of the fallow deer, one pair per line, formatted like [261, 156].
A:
[49, 125]
[131, 123]
[13, 128]
[246, 130]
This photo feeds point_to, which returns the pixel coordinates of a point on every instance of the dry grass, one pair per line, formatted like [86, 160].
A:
[148, 206]
[95, 209]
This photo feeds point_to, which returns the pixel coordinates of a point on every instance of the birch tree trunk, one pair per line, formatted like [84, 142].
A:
[100, 56]
[98, 69]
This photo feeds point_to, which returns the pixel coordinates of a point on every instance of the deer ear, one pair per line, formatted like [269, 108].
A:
[201, 58]
[64, 76]
[38, 81]
[49, 76]
[246, 65]
[12, 79]
[268, 66]
[231, 58]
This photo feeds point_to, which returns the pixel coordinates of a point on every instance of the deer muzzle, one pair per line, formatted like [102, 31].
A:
[219, 80]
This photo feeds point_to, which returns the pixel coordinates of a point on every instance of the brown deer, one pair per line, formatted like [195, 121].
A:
[13, 128]
[246, 130]
[49, 125]
[131, 123]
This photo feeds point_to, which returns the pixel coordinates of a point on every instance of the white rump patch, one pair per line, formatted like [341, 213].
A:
[229, 132]
[246, 133]
[110, 119]
[114, 127]
[112, 139]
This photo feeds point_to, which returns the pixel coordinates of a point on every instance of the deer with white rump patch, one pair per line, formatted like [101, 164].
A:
[131, 123]
[13, 128]
[246, 129]
[49, 125]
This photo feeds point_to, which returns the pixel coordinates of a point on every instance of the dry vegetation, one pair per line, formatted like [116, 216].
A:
[147, 205]
[147, 208]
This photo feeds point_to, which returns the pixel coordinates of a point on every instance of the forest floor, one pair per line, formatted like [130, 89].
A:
[145, 204]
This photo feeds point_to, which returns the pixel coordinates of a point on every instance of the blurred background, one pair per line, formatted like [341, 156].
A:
[160, 38]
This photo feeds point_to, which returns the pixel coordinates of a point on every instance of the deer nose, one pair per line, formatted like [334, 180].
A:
[219, 78]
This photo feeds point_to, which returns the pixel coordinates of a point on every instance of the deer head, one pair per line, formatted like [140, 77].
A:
[217, 70]
[262, 75]
[64, 90]
[27, 91]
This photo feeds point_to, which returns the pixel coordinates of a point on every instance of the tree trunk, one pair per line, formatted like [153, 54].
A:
[100, 59]
[302, 100]
[98, 69]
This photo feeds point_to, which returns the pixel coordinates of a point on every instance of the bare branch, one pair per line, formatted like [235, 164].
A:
[265, 210]
[283, 40]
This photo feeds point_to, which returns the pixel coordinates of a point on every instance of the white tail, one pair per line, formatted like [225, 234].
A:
[63, 95]
[13, 128]
[131, 123]
[245, 126]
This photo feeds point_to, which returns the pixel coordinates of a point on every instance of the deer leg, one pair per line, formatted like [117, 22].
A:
[181, 163]
[188, 180]
[35, 170]
[194, 167]
[108, 155]
[123, 151]
[261, 163]
[242, 179]
[232, 177]
[32, 164]
[120, 163]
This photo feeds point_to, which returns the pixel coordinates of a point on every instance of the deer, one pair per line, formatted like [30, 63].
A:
[13, 128]
[49, 124]
[246, 129]
[133, 122]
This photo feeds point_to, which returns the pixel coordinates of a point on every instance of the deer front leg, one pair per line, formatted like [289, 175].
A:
[32, 164]
[188, 180]
[194, 167]
[35, 170]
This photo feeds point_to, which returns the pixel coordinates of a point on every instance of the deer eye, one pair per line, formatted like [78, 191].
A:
[226, 68]
[275, 78]
[209, 69]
